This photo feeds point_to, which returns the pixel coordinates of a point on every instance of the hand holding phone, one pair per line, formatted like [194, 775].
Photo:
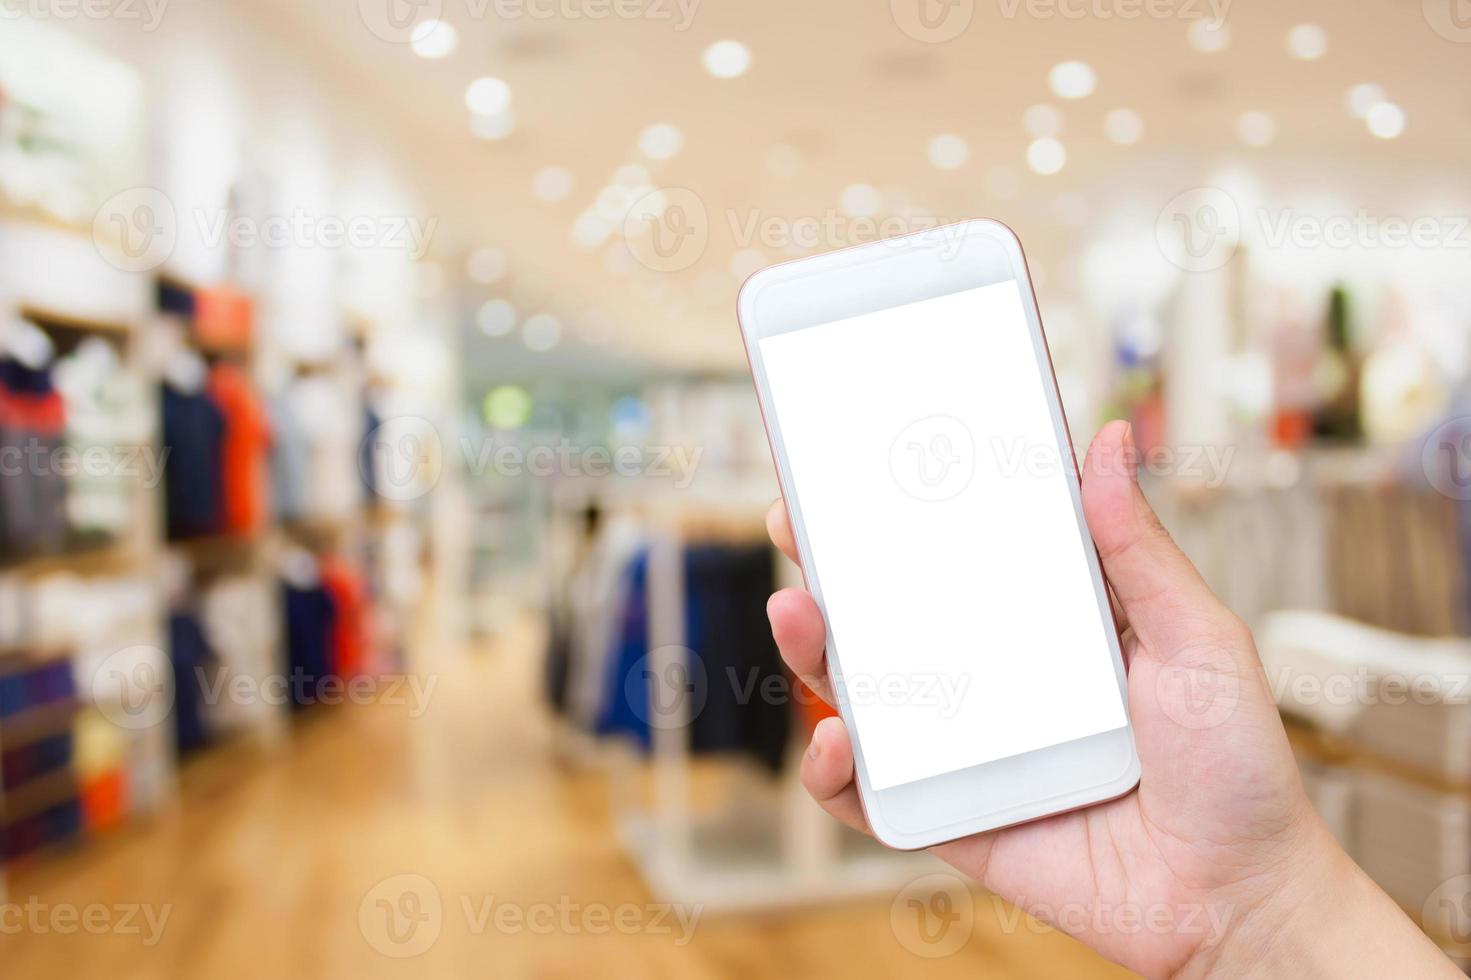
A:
[1217, 865]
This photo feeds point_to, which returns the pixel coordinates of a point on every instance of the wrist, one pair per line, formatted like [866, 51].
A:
[1318, 914]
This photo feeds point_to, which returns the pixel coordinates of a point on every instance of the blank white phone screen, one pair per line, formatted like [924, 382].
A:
[949, 556]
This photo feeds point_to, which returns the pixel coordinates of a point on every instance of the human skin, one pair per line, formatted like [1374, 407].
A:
[1219, 829]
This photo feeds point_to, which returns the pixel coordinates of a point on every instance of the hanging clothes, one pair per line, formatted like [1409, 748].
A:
[107, 416]
[192, 661]
[309, 620]
[32, 488]
[726, 588]
[244, 450]
[348, 592]
[193, 437]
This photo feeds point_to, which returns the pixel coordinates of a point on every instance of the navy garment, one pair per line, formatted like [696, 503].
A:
[32, 491]
[191, 658]
[193, 437]
[309, 616]
[726, 626]
[726, 589]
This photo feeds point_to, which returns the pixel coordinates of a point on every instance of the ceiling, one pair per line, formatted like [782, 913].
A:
[851, 98]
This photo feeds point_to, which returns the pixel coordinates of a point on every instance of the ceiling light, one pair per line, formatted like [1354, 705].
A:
[488, 96]
[552, 184]
[541, 332]
[1042, 120]
[661, 141]
[508, 407]
[1386, 120]
[1256, 128]
[1307, 42]
[486, 265]
[631, 175]
[859, 201]
[496, 127]
[1123, 126]
[1046, 156]
[1363, 97]
[590, 230]
[727, 59]
[1209, 38]
[496, 318]
[948, 151]
[434, 39]
[1073, 80]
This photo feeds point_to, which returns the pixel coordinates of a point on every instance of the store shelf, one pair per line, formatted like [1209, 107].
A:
[33, 214]
[1324, 748]
[38, 795]
[75, 323]
[38, 722]
[101, 560]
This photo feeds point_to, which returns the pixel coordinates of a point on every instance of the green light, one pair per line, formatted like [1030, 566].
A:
[508, 407]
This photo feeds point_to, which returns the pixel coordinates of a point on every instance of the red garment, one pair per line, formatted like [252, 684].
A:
[223, 318]
[350, 626]
[246, 443]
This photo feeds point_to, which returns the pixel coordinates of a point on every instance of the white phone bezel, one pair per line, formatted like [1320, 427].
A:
[880, 275]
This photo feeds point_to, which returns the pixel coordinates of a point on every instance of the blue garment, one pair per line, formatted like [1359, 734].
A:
[189, 652]
[726, 588]
[194, 470]
[626, 705]
[309, 616]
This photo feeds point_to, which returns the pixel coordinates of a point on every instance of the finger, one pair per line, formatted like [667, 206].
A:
[780, 529]
[1166, 602]
[827, 773]
[800, 635]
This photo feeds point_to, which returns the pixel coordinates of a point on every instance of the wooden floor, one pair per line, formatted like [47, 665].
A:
[327, 860]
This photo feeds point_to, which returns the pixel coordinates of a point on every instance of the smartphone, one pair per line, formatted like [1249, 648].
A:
[919, 438]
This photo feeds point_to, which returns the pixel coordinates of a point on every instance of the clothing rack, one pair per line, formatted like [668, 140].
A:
[815, 859]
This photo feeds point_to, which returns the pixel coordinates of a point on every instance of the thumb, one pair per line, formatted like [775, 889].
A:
[1167, 603]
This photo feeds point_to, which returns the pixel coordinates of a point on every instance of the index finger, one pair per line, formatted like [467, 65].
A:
[780, 529]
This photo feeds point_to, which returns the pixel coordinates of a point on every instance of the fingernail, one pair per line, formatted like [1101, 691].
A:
[1131, 453]
[814, 750]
